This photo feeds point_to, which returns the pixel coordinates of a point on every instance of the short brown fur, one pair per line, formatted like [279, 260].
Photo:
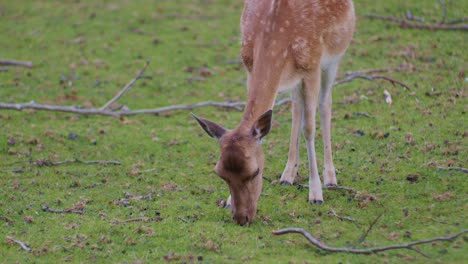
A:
[285, 43]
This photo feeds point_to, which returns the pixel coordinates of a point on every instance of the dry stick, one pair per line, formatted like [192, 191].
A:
[332, 212]
[370, 78]
[45, 163]
[465, 170]
[235, 105]
[139, 197]
[457, 21]
[16, 63]
[139, 219]
[46, 208]
[363, 237]
[127, 86]
[408, 24]
[145, 171]
[20, 243]
[6, 219]
[101, 162]
[444, 11]
[367, 251]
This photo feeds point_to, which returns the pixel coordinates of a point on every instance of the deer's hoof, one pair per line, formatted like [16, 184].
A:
[285, 183]
[331, 185]
[317, 202]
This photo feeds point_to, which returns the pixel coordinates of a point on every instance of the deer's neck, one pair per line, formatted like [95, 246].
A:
[262, 84]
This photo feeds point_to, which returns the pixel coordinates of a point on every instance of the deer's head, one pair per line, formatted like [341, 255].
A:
[241, 163]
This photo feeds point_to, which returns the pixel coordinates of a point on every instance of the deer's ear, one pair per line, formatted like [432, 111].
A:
[262, 126]
[211, 128]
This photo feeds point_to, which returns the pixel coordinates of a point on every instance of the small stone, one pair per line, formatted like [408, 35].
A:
[11, 141]
[412, 177]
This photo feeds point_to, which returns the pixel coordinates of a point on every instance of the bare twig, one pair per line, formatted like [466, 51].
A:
[23, 245]
[145, 171]
[148, 196]
[363, 237]
[127, 86]
[100, 162]
[403, 23]
[457, 21]
[370, 77]
[16, 63]
[182, 219]
[47, 163]
[6, 219]
[332, 212]
[402, 67]
[138, 219]
[444, 11]
[46, 208]
[362, 114]
[465, 170]
[367, 251]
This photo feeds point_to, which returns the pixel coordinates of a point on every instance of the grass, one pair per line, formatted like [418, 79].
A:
[108, 42]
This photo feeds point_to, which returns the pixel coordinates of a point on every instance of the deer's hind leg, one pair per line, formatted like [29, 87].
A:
[325, 102]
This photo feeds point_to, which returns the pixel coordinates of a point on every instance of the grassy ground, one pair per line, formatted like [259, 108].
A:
[101, 44]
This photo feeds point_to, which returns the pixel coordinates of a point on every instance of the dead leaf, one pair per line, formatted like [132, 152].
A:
[392, 235]
[443, 196]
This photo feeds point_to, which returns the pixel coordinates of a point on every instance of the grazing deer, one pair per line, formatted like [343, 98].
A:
[286, 44]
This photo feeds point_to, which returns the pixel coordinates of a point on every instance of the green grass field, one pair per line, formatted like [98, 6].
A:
[85, 51]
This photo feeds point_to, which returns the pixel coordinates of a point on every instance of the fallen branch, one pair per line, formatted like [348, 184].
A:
[16, 63]
[72, 210]
[465, 170]
[366, 251]
[367, 74]
[93, 111]
[404, 23]
[23, 245]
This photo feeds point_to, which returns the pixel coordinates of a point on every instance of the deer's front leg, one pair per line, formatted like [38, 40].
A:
[311, 91]
[297, 111]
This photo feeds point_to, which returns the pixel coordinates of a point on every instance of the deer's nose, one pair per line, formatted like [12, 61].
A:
[241, 219]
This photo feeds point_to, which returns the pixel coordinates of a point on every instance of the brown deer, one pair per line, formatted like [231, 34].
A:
[286, 44]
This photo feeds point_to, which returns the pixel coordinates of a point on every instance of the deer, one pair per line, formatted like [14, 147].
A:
[293, 45]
